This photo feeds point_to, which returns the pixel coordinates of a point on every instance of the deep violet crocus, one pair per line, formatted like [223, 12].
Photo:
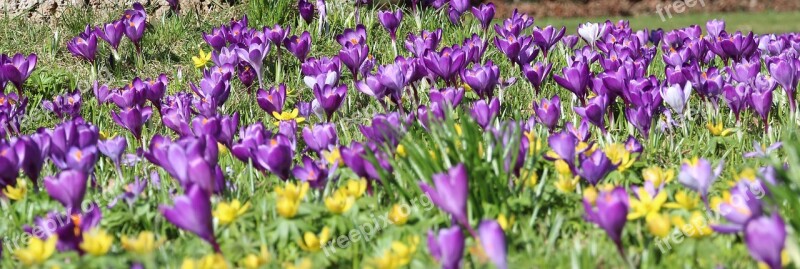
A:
[16, 70]
[306, 10]
[31, 152]
[545, 38]
[761, 101]
[320, 137]
[786, 71]
[446, 63]
[272, 100]
[84, 45]
[450, 192]
[9, 165]
[192, 212]
[575, 79]
[353, 56]
[595, 167]
[68, 188]
[419, 45]
[391, 21]
[134, 29]
[312, 172]
[299, 46]
[482, 79]
[67, 105]
[484, 13]
[609, 211]
[254, 54]
[548, 111]
[483, 113]
[594, 111]
[133, 119]
[112, 33]
[447, 247]
[537, 74]
[330, 98]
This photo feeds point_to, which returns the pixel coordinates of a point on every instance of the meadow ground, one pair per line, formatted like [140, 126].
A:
[543, 220]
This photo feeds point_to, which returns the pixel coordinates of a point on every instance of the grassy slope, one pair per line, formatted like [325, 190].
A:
[555, 237]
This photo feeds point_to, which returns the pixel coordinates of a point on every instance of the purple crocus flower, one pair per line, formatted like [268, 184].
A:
[353, 56]
[273, 100]
[575, 79]
[697, 174]
[482, 79]
[254, 54]
[68, 188]
[419, 45]
[451, 192]
[16, 70]
[216, 39]
[484, 13]
[563, 144]
[786, 71]
[594, 111]
[737, 97]
[31, 153]
[195, 156]
[315, 174]
[306, 10]
[67, 105]
[132, 119]
[111, 32]
[545, 38]
[548, 111]
[275, 155]
[761, 101]
[134, 29]
[483, 113]
[446, 63]
[766, 237]
[493, 241]
[512, 46]
[299, 46]
[715, 27]
[537, 74]
[595, 167]
[277, 34]
[762, 151]
[330, 98]
[84, 45]
[192, 212]
[609, 211]
[391, 21]
[393, 78]
[352, 37]
[447, 247]
[743, 206]
[113, 148]
[321, 137]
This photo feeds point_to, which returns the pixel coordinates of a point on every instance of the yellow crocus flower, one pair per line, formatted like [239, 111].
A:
[18, 192]
[143, 244]
[37, 251]
[314, 243]
[339, 202]
[96, 242]
[202, 59]
[227, 213]
[718, 130]
[287, 116]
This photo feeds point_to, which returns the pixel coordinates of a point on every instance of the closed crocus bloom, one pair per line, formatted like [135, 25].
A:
[426, 41]
[37, 251]
[330, 98]
[276, 156]
[595, 166]
[563, 145]
[134, 30]
[591, 32]
[314, 243]
[391, 21]
[446, 63]
[676, 97]
[697, 174]
[111, 32]
[715, 27]
[609, 211]
[737, 97]
[272, 100]
[96, 242]
[484, 13]
[594, 111]
[484, 113]
[545, 38]
[192, 212]
[451, 192]
[320, 137]
[68, 188]
[575, 79]
[113, 148]
[482, 79]
[493, 242]
[306, 10]
[339, 202]
[299, 46]
[766, 237]
[548, 111]
[132, 119]
[537, 73]
[227, 212]
[447, 247]
[784, 70]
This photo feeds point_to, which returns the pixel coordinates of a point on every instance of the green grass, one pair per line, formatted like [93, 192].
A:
[548, 232]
